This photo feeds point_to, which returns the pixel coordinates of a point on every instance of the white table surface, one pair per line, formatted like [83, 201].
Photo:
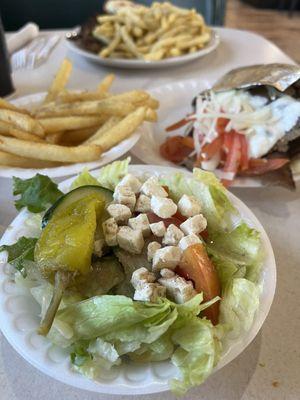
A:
[269, 367]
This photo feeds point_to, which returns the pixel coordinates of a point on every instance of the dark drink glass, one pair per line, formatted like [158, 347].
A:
[6, 85]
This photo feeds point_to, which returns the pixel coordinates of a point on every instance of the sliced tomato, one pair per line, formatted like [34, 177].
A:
[233, 157]
[177, 148]
[197, 266]
[176, 219]
[210, 149]
[227, 142]
[179, 124]
[260, 166]
[221, 124]
[244, 153]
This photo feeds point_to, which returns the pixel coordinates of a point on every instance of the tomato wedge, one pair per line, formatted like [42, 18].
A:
[177, 148]
[197, 266]
[260, 166]
[176, 219]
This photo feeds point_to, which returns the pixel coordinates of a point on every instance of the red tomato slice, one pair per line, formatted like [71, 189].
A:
[210, 149]
[197, 266]
[221, 125]
[233, 157]
[244, 153]
[177, 148]
[176, 219]
[260, 166]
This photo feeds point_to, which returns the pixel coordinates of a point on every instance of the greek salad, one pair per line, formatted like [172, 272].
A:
[138, 267]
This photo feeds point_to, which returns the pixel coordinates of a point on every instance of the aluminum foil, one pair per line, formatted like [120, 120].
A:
[278, 76]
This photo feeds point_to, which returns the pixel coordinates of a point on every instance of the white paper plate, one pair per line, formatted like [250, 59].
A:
[19, 318]
[175, 102]
[141, 64]
[55, 172]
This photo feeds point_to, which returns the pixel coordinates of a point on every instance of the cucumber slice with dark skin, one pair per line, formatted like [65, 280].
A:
[74, 195]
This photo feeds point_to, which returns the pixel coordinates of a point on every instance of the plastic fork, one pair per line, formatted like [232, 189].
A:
[34, 54]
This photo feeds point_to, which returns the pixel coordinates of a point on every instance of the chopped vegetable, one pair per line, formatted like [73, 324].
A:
[20, 253]
[37, 193]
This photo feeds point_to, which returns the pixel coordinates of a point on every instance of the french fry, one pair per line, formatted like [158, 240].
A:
[7, 159]
[55, 138]
[22, 121]
[60, 80]
[112, 121]
[73, 97]
[77, 136]
[50, 152]
[53, 125]
[131, 31]
[106, 83]
[8, 106]
[8, 129]
[121, 130]
[120, 105]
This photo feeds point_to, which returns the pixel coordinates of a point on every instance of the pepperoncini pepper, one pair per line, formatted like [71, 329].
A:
[64, 249]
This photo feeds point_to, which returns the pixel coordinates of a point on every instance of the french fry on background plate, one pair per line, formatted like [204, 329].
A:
[106, 83]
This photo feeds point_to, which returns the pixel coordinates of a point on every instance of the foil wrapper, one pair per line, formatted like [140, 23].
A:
[279, 76]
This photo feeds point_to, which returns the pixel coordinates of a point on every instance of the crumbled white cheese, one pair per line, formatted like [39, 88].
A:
[189, 206]
[110, 230]
[151, 249]
[152, 188]
[119, 212]
[163, 207]
[167, 273]
[143, 204]
[194, 224]
[178, 289]
[158, 228]
[149, 292]
[124, 195]
[167, 257]
[141, 276]
[188, 240]
[172, 235]
[130, 240]
[141, 223]
[132, 182]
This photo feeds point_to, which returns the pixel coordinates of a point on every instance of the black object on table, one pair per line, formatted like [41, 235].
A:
[6, 85]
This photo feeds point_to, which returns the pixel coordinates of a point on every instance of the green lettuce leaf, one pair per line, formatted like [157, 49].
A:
[205, 186]
[159, 350]
[238, 306]
[36, 193]
[111, 174]
[21, 253]
[83, 179]
[197, 353]
[240, 247]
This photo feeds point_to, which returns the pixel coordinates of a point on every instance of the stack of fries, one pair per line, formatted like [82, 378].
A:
[69, 126]
[155, 33]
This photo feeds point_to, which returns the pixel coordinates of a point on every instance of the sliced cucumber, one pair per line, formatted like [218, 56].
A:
[74, 195]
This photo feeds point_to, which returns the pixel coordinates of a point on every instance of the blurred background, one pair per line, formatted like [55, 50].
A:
[277, 20]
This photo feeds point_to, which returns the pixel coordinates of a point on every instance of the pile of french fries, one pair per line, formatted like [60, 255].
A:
[150, 33]
[71, 126]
